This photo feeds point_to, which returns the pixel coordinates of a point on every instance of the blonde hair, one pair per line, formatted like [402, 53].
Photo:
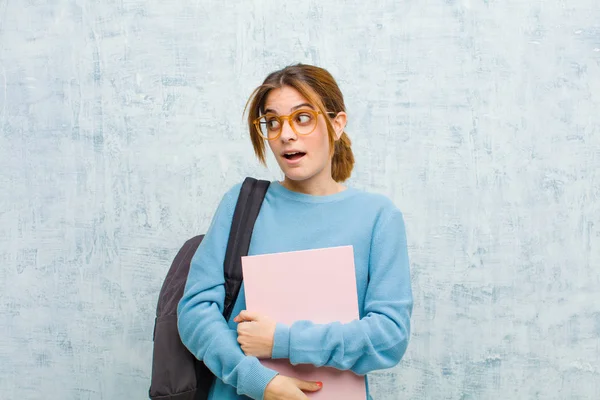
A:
[320, 89]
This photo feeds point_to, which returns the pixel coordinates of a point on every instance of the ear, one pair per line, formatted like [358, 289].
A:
[339, 124]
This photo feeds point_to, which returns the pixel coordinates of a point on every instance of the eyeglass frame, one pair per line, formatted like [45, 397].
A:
[288, 117]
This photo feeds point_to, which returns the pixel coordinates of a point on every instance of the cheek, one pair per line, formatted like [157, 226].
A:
[272, 145]
[320, 141]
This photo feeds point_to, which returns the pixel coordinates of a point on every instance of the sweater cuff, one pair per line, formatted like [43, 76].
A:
[255, 379]
[281, 342]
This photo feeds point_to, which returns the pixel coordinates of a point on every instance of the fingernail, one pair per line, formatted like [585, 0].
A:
[320, 384]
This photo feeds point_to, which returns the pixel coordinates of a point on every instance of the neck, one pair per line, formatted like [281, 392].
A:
[313, 187]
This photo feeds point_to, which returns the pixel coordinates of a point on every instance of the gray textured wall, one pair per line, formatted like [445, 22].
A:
[121, 126]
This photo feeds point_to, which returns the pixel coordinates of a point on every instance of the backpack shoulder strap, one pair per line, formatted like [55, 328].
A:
[246, 211]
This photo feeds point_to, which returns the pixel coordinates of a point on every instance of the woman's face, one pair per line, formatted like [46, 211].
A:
[300, 157]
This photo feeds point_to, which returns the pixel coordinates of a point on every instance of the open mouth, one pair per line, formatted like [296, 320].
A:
[294, 156]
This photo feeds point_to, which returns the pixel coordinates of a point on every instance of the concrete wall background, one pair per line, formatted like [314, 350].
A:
[121, 126]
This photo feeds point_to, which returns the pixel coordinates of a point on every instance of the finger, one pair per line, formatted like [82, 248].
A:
[297, 395]
[240, 329]
[300, 396]
[238, 318]
[244, 328]
[308, 386]
[246, 316]
[243, 347]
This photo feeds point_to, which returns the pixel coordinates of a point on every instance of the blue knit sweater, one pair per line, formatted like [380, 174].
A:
[290, 221]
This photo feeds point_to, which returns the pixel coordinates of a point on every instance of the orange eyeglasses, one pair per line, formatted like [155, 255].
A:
[303, 122]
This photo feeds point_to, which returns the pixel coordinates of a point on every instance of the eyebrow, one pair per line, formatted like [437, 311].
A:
[268, 110]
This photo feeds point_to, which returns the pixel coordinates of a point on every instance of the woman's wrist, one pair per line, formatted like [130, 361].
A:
[281, 342]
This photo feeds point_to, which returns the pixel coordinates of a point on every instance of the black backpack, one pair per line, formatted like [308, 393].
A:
[176, 373]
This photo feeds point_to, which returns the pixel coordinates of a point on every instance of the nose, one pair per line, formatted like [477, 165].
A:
[287, 133]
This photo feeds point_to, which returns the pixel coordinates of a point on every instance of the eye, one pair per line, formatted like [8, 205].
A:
[272, 123]
[304, 118]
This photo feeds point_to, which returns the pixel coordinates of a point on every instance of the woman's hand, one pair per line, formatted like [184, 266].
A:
[286, 388]
[255, 334]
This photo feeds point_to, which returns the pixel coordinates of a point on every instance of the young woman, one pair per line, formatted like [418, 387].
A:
[299, 113]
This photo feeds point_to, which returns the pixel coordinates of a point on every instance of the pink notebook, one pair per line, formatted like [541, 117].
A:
[316, 285]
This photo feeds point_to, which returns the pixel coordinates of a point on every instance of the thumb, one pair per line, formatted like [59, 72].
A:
[308, 386]
[247, 316]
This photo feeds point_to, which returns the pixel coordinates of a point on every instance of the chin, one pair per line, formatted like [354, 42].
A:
[302, 172]
[296, 176]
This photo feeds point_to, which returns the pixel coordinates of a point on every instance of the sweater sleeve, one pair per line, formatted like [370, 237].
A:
[202, 326]
[380, 338]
